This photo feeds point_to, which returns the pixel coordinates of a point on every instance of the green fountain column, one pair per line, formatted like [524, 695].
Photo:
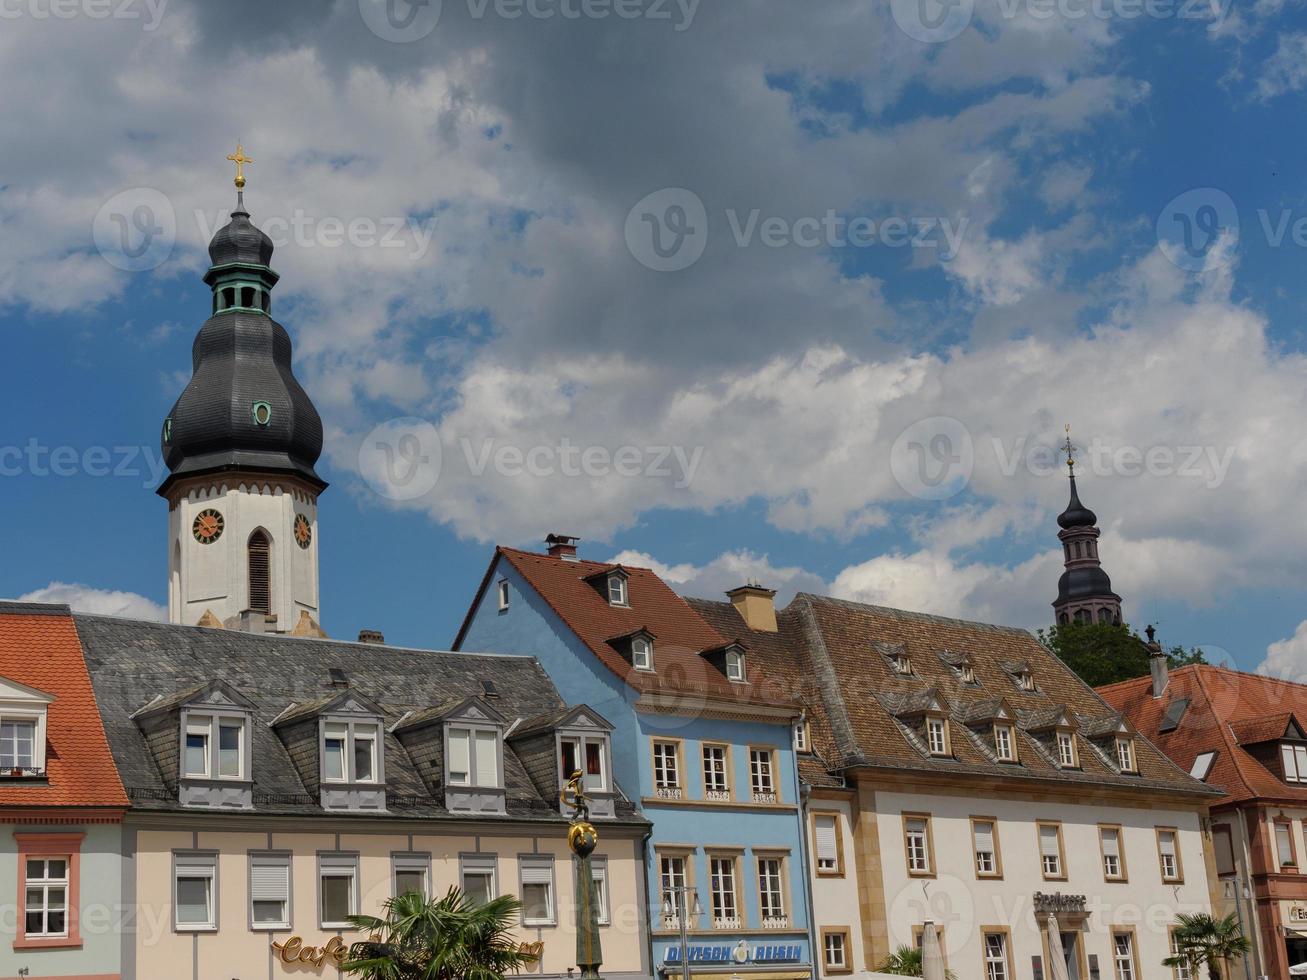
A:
[582, 838]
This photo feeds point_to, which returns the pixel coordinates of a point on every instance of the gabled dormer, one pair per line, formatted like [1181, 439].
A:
[1022, 675]
[1115, 742]
[962, 666]
[553, 747]
[731, 659]
[1056, 731]
[23, 712]
[337, 745]
[924, 717]
[896, 657]
[612, 583]
[460, 746]
[201, 738]
[994, 722]
[637, 647]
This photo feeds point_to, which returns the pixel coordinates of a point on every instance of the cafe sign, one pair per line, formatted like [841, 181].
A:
[293, 950]
[1297, 913]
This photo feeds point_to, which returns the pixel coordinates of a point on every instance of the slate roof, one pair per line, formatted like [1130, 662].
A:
[829, 652]
[131, 662]
[39, 648]
[1222, 703]
[682, 636]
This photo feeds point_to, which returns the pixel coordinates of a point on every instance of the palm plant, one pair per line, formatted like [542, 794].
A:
[906, 962]
[1202, 940]
[451, 938]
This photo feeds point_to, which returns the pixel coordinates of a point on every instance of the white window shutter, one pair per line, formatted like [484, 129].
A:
[269, 882]
[1048, 842]
[1112, 843]
[460, 752]
[827, 846]
[537, 872]
[985, 837]
[1290, 766]
[1168, 844]
[487, 759]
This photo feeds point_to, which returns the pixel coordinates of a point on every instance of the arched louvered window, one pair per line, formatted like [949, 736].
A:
[260, 552]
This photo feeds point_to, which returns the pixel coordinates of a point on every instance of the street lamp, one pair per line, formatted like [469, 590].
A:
[676, 901]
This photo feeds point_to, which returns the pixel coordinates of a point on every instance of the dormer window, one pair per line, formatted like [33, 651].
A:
[617, 590]
[1294, 758]
[22, 730]
[503, 595]
[473, 757]
[1125, 754]
[902, 664]
[802, 738]
[1005, 743]
[585, 754]
[1025, 680]
[735, 667]
[214, 746]
[967, 673]
[937, 736]
[642, 653]
[1067, 755]
[350, 752]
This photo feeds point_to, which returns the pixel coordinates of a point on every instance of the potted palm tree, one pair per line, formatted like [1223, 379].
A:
[451, 938]
[1202, 940]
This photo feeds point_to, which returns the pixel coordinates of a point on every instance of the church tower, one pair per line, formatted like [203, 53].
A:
[240, 445]
[1084, 592]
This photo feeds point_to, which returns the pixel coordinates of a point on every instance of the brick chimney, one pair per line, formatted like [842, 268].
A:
[371, 636]
[756, 606]
[562, 546]
[1157, 664]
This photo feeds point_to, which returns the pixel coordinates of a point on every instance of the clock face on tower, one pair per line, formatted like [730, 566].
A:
[303, 532]
[207, 527]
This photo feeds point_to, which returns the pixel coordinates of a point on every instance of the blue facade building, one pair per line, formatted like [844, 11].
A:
[703, 743]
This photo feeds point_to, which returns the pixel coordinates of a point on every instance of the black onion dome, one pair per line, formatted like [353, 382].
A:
[1076, 513]
[240, 241]
[242, 363]
[1084, 582]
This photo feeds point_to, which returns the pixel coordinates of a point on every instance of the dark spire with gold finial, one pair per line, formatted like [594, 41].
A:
[244, 409]
[1084, 592]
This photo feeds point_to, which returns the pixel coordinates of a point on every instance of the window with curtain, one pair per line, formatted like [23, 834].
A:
[1284, 845]
[478, 877]
[337, 890]
[537, 878]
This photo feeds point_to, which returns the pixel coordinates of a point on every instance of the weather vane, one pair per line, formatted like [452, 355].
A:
[240, 159]
[1070, 450]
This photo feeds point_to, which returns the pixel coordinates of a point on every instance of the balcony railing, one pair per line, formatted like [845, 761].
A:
[718, 795]
[668, 792]
[22, 772]
[775, 921]
[726, 922]
[764, 796]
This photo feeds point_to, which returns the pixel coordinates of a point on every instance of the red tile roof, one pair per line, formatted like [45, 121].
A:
[1229, 712]
[40, 648]
[682, 635]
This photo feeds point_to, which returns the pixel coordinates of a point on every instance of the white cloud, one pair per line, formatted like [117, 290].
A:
[1286, 70]
[103, 602]
[1287, 658]
[727, 571]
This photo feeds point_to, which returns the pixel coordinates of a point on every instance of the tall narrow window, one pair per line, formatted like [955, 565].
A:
[1005, 746]
[725, 912]
[46, 904]
[667, 770]
[735, 669]
[641, 653]
[196, 755]
[716, 784]
[937, 733]
[503, 595]
[270, 891]
[230, 750]
[672, 876]
[478, 874]
[599, 875]
[983, 834]
[17, 745]
[537, 891]
[996, 961]
[1066, 751]
[1050, 850]
[760, 775]
[771, 898]
[1284, 846]
[1123, 955]
[1181, 970]
[337, 890]
[335, 735]
[1125, 754]
[1169, 855]
[1110, 841]
[193, 892]
[260, 551]
[916, 831]
[825, 832]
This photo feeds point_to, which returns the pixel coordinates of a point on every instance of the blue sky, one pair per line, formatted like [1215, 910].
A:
[518, 306]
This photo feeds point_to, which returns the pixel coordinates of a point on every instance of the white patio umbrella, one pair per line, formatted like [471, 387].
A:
[932, 957]
[1056, 954]
[1298, 971]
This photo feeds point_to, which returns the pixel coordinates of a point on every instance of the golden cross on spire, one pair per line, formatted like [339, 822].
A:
[1070, 450]
[240, 159]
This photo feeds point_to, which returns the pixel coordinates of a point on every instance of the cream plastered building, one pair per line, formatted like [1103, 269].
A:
[959, 773]
[279, 785]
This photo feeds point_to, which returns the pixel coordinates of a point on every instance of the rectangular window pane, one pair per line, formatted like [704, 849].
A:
[714, 769]
[571, 757]
[197, 754]
[487, 759]
[536, 906]
[365, 746]
[1284, 844]
[270, 890]
[194, 900]
[410, 880]
[337, 896]
[17, 741]
[333, 749]
[828, 850]
[229, 750]
[459, 769]
[478, 886]
[269, 913]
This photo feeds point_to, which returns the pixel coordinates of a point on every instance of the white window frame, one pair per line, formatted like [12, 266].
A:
[986, 862]
[826, 859]
[801, 736]
[723, 901]
[1202, 767]
[36, 761]
[1169, 864]
[600, 783]
[599, 875]
[1104, 833]
[502, 594]
[1067, 755]
[23, 704]
[197, 866]
[480, 866]
[771, 890]
[44, 884]
[736, 668]
[616, 590]
[762, 775]
[209, 725]
[916, 842]
[1125, 754]
[996, 957]
[352, 729]
[1057, 868]
[840, 947]
[1005, 742]
[1123, 961]
[666, 766]
[642, 653]
[716, 771]
[1181, 970]
[338, 865]
[269, 859]
[937, 735]
[475, 746]
[1294, 758]
[410, 863]
[538, 869]
[673, 879]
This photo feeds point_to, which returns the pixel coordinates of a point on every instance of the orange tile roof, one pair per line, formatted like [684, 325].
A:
[681, 634]
[1229, 711]
[40, 648]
